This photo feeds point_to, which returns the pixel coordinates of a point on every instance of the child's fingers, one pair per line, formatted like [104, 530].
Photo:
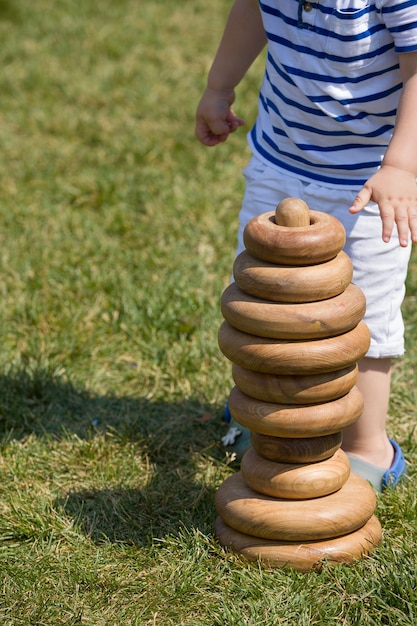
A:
[212, 129]
[395, 193]
[361, 200]
[233, 119]
[403, 219]
[413, 224]
[388, 218]
[406, 220]
[211, 133]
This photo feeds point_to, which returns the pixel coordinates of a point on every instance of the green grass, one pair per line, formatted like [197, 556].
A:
[117, 234]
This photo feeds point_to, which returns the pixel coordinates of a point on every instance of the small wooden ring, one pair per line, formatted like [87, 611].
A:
[320, 241]
[300, 450]
[279, 356]
[290, 420]
[283, 283]
[304, 556]
[295, 481]
[294, 389]
[276, 320]
[333, 515]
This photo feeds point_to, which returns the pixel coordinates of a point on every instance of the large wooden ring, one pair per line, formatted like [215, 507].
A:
[283, 283]
[277, 320]
[320, 241]
[279, 356]
[300, 450]
[289, 420]
[334, 515]
[295, 481]
[295, 389]
[303, 556]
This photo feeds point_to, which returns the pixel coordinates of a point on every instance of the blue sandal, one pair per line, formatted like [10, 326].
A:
[379, 477]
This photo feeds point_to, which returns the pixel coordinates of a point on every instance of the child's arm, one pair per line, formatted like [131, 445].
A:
[242, 41]
[394, 186]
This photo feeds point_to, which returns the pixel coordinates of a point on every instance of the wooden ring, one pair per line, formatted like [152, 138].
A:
[307, 555]
[276, 320]
[294, 389]
[300, 450]
[295, 481]
[334, 515]
[289, 420]
[283, 283]
[320, 241]
[279, 356]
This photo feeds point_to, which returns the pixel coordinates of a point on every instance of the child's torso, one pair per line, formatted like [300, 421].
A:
[331, 88]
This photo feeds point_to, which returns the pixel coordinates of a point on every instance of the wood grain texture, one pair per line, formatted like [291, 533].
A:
[300, 450]
[330, 516]
[302, 556]
[295, 481]
[289, 420]
[276, 320]
[293, 389]
[283, 283]
[281, 356]
[320, 241]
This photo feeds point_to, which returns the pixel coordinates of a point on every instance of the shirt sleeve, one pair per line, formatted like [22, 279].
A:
[400, 17]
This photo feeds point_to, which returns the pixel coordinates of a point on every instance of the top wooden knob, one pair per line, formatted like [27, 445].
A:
[294, 235]
[292, 212]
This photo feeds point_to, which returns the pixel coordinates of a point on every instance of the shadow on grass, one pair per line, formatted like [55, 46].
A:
[176, 439]
[9, 11]
[139, 516]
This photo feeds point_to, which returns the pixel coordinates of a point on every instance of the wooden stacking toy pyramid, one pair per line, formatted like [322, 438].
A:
[294, 331]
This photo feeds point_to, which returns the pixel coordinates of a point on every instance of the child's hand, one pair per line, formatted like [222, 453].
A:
[395, 192]
[215, 119]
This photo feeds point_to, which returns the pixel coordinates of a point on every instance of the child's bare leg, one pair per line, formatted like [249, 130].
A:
[367, 438]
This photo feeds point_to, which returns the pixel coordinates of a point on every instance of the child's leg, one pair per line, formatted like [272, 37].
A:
[367, 438]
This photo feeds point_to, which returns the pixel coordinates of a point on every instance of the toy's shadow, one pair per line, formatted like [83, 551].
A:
[177, 438]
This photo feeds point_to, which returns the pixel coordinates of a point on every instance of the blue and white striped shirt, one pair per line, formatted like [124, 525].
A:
[331, 87]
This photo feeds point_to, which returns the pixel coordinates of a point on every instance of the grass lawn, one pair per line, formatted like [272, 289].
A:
[117, 235]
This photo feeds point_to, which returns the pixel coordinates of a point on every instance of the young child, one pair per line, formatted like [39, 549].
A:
[337, 127]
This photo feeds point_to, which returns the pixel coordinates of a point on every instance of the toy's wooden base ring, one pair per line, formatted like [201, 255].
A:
[295, 389]
[295, 481]
[334, 515]
[320, 241]
[289, 420]
[283, 283]
[300, 450]
[279, 356]
[277, 320]
[307, 555]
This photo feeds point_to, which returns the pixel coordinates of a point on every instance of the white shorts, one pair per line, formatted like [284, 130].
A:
[379, 268]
